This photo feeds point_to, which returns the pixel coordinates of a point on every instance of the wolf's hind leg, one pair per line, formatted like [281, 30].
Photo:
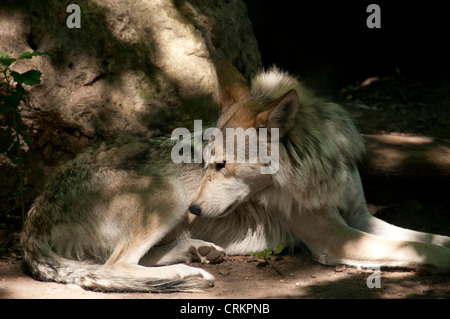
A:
[357, 216]
[331, 239]
[153, 217]
[364, 221]
[183, 250]
[132, 276]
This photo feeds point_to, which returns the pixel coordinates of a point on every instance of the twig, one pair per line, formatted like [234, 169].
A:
[276, 269]
[402, 94]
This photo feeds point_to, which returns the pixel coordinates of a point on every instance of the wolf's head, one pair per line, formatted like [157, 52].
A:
[252, 121]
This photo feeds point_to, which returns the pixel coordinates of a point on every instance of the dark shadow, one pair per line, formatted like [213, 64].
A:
[398, 168]
[318, 281]
[4, 294]
[330, 46]
[354, 286]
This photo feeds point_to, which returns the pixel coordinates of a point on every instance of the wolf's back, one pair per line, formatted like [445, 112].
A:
[80, 218]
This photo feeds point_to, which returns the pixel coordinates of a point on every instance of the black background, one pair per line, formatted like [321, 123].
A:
[328, 43]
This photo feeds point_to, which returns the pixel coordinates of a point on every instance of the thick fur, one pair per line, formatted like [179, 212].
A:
[102, 213]
[121, 208]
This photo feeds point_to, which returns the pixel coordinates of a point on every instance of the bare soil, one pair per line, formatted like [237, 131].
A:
[395, 105]
[239, 277]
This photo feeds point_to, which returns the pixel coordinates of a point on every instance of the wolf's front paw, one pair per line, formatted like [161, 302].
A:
[207, 254]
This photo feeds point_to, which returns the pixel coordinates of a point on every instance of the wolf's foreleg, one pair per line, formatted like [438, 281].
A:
[183, 250]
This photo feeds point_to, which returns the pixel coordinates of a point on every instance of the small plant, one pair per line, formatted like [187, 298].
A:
[13, 97]
[266, 254]
[353, 87]
[399, 74]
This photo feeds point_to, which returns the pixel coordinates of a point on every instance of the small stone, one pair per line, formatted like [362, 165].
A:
[340, 268]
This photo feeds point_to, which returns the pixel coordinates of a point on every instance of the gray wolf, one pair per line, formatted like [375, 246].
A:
[117, 217]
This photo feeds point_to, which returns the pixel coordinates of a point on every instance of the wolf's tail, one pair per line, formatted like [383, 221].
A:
[44, 264]
[51, 267]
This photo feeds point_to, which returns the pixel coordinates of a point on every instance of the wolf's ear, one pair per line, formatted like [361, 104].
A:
[233, 85]
[280, 113]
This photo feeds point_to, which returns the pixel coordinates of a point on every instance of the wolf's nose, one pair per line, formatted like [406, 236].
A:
[195, 209]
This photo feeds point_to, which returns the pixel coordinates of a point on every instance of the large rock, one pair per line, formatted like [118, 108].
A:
[137, 66]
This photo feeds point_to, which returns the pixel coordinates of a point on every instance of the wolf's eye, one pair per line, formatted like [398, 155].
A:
[219, 166]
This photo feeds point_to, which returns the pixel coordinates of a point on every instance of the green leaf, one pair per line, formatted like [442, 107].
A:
[7, 61]
[12, 101]
[279, 249]
[22, 127]
[29, 55]
[17, 160]
[31, 77]
[4, 109]
[28, 140]
[5, 54]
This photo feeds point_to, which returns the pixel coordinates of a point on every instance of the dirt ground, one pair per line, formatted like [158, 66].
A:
[239, 277]
[393, 105]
